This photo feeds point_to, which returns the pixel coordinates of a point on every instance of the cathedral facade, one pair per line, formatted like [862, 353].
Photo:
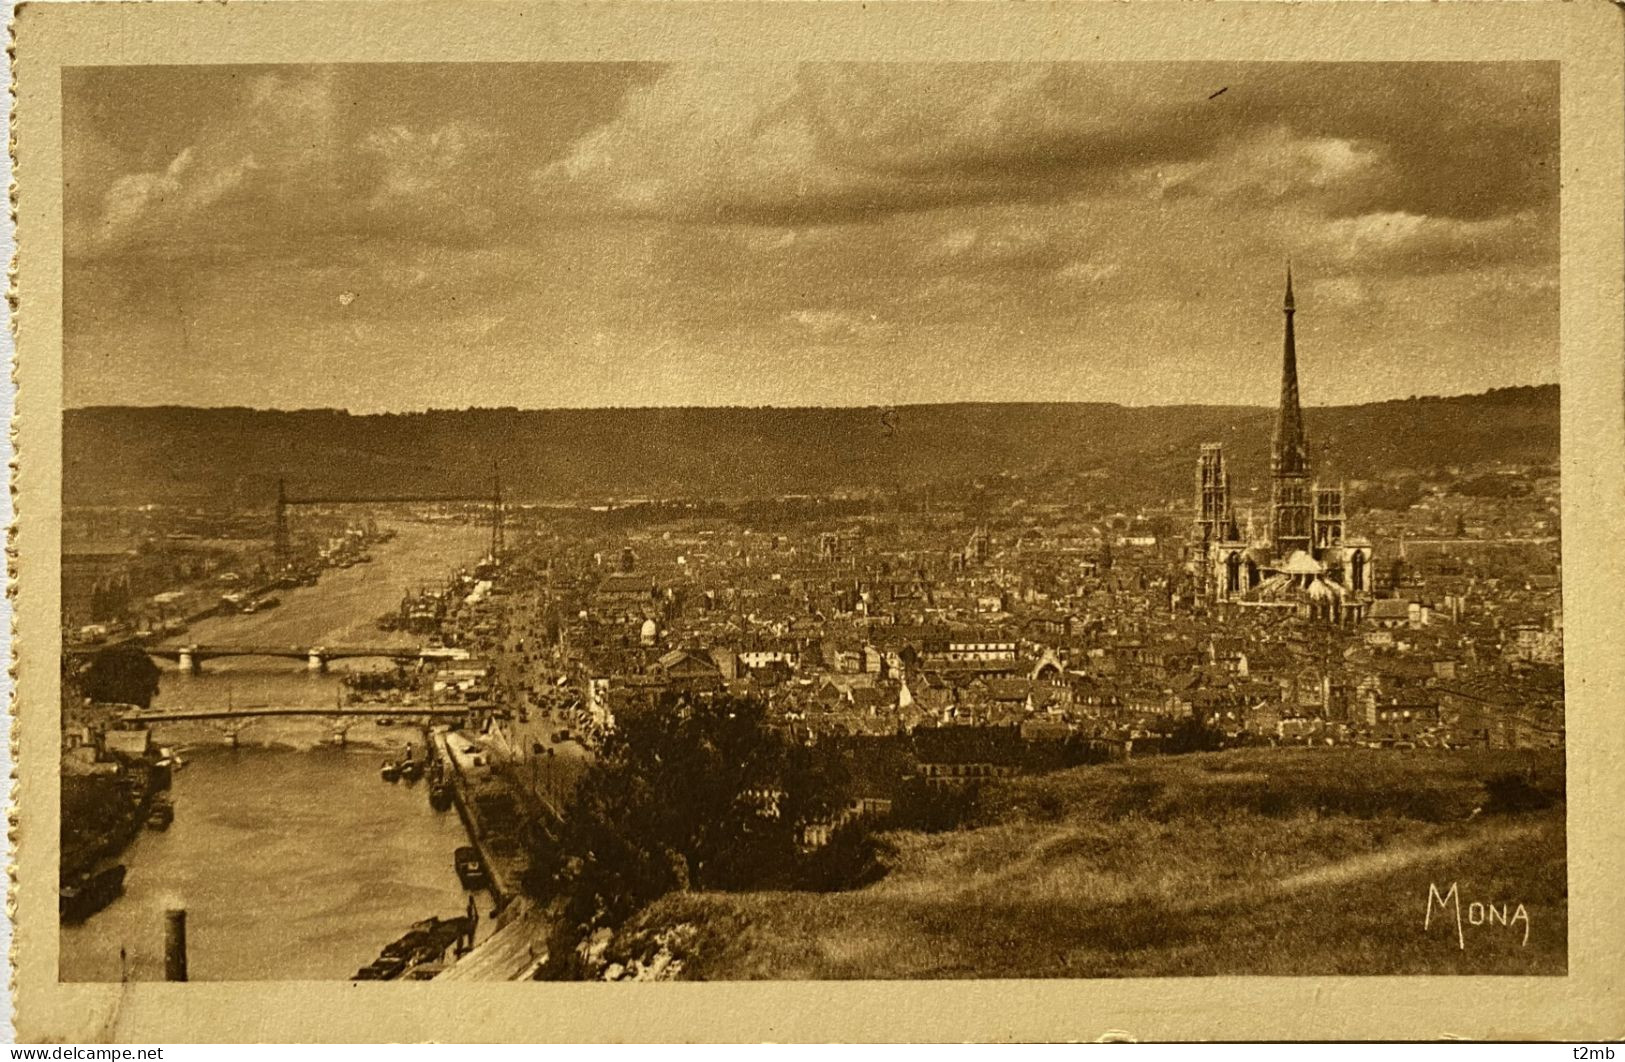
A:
[1305, 561]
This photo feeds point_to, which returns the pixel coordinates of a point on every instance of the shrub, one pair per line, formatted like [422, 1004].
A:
[934, 809]
[1193, 735]
[1510, 793]
[853, 857]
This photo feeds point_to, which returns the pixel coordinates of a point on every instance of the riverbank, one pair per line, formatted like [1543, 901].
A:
[518, 946]
[481, 801]
[103, 813]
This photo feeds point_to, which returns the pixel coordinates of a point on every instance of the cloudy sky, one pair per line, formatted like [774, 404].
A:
[542, 235]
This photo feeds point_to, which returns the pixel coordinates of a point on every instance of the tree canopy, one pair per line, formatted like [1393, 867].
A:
[121, 675]
[687, 796]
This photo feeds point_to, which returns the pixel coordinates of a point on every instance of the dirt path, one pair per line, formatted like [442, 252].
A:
[1377, 864]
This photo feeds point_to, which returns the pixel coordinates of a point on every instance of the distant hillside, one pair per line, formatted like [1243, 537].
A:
[174, 454]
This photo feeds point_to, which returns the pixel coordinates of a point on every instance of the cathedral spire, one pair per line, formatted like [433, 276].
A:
[1290, 454]
[1291, 508]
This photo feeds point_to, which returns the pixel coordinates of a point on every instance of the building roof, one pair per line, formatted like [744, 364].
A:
[135, 743]
[1300, 563]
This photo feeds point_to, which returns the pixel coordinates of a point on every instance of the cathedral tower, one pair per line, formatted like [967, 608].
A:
[1215, 524]
[1291, 508]
[1328, 518]
[1213, 516]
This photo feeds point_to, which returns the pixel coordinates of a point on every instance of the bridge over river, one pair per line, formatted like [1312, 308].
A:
[339, 719]
[188, 657]
[354, 711]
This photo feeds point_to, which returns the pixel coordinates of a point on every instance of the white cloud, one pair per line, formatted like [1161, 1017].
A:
[422, 162]
[1274, 162]
[831, 324]
[1387, 237]
[179, 190]
[1380, 230]
[694, 136]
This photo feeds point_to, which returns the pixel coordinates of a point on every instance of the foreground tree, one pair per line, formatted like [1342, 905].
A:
[121, 675]
[685, 796]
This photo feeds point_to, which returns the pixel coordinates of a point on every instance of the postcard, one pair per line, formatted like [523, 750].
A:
[872, 521]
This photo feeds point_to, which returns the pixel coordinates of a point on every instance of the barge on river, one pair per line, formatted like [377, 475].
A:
[85, 894]
[421, 951]
[471, 868]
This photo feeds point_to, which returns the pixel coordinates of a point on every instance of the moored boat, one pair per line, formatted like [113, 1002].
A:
[470, 868]
[421, 947]
[88, 893]
[440, 796]
[161, 814]
[390, 771]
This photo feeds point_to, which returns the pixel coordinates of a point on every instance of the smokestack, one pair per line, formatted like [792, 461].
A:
[175, 944]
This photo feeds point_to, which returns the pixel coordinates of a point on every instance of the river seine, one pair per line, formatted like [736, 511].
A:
[292, 858]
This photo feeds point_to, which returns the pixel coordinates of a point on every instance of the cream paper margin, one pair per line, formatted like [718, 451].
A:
[1585, 37]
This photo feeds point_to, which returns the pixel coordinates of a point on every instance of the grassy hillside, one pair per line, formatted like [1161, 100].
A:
[1280, 862]
[174, 454]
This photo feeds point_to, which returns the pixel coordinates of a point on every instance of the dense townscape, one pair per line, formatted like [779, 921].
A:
[1037, 621]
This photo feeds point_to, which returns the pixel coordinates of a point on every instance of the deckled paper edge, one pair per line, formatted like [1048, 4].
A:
[13, 714]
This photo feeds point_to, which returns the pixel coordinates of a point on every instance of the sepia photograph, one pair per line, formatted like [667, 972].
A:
[758, 519]
[633, 521]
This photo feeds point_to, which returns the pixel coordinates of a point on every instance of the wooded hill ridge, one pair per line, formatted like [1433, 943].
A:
[173, 454]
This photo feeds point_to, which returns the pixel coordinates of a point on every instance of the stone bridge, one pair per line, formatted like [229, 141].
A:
[393, 711]
[316, 657]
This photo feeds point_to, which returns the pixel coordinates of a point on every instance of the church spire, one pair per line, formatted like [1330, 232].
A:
[1290, 454]
[1291, 508]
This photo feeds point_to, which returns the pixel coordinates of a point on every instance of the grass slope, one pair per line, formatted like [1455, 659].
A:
[1279, 862]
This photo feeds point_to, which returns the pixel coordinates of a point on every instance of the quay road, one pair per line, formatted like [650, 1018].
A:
[525, 670]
